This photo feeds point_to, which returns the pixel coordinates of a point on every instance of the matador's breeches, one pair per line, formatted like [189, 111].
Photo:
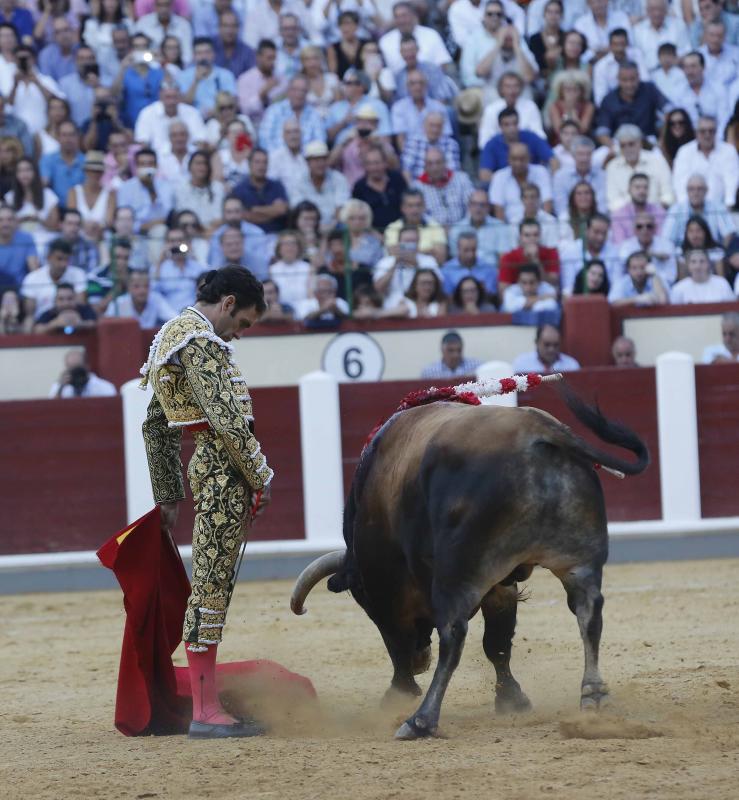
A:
[220, 496]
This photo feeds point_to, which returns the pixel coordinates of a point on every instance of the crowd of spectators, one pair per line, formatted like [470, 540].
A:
[366, 158]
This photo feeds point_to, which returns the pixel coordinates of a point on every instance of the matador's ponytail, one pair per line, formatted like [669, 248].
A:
[238, 281]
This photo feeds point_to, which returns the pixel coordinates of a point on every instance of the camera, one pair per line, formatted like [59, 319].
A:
[407, 247]
[179, 249]
[203, 62]
[23, 63]
[90, 69]
[78, 377]
[364, 133]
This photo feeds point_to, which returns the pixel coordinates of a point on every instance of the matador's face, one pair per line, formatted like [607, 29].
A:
[232, 322]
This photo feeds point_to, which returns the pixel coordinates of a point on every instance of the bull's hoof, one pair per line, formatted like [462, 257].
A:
[594, 696]
[415, 728]
[422, 660]
[512, 701]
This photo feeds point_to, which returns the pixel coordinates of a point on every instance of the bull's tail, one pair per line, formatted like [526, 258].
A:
[607, 431]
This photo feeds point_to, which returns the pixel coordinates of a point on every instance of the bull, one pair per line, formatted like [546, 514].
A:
[450, 506]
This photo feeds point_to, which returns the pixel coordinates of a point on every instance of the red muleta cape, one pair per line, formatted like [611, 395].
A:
[153, 695]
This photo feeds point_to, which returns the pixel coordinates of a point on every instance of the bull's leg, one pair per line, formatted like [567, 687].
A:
[585, 600]
[425, 721]
[499, 610]
[401, 646]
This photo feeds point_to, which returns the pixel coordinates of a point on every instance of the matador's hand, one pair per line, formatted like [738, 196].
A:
[168, 515]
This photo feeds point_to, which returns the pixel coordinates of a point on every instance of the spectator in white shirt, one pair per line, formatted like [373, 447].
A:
[659, 28]
[31, 91]
[597, 23]
[430, 45]
[573, 256]
[659, 251]
[152, 125]
[728, 352]
[722, 59]
[78, 381]
[465, 17]
[141, 302]
[530, 293]
[547, 357]
[605, 72]
[715, 214]
[702, 98]
[668, 77]
[505, 188]
[39, 287]
[162, 22]
[716, 161]
[174, 165]
[510, 87]
[633, 159]
[701, 286]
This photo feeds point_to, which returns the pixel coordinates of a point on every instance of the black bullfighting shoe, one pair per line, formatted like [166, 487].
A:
[241, 729]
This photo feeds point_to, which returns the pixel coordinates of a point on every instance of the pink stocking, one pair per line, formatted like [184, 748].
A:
[206, 707]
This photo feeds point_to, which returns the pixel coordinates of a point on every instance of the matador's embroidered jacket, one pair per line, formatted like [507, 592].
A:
[196, 383]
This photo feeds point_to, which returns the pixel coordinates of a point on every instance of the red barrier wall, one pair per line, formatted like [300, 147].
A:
[63, 481]
[61, 473]
[718, 438]
[626, 395]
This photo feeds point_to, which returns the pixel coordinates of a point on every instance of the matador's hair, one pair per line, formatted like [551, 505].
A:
[237, 281]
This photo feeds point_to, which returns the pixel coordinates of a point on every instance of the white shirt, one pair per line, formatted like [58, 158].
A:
[571, 261]
[178, 27]
[156, 311]
[605, 73]
[95, 387]
[293, 280]
[662, 253]
[174, 170]
[648, 39]
[514, 299]
[465, 19]
[30, 103]
[530, 362]
[39, 286]
[529, 119]
[152, 126]
[673, 84]
[714, 350]
[722, 69]
[598, 37]
[706, 100]
[715, 290]
[287, 168]
[652, 163]
[431, 48]
[720, 169]
[505, 190]
[308, 306]
[402, 277]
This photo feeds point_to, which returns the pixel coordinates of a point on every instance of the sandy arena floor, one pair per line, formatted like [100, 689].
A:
[670, 654]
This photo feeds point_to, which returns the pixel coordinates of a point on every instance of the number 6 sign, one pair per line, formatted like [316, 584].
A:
[353, 357]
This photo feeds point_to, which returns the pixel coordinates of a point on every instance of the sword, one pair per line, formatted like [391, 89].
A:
[252, 517]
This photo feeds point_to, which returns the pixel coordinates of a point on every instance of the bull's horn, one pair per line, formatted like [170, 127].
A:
[317, 570]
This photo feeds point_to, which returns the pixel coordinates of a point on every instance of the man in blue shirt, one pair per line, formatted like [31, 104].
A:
[265, 201]
[151, 198]
[78, 86]
[17, 252]
[142, 79]
[467, 264]
[57, 59]
[64, 169]
[633, 102]
[231, 53]
[201, 82]
[19, 18]
[495, 153]
[257, 245]
[294, 105]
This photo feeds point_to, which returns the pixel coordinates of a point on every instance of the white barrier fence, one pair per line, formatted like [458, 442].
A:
[323, 494]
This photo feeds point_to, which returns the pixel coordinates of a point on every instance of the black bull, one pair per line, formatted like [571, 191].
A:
[449, 507]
